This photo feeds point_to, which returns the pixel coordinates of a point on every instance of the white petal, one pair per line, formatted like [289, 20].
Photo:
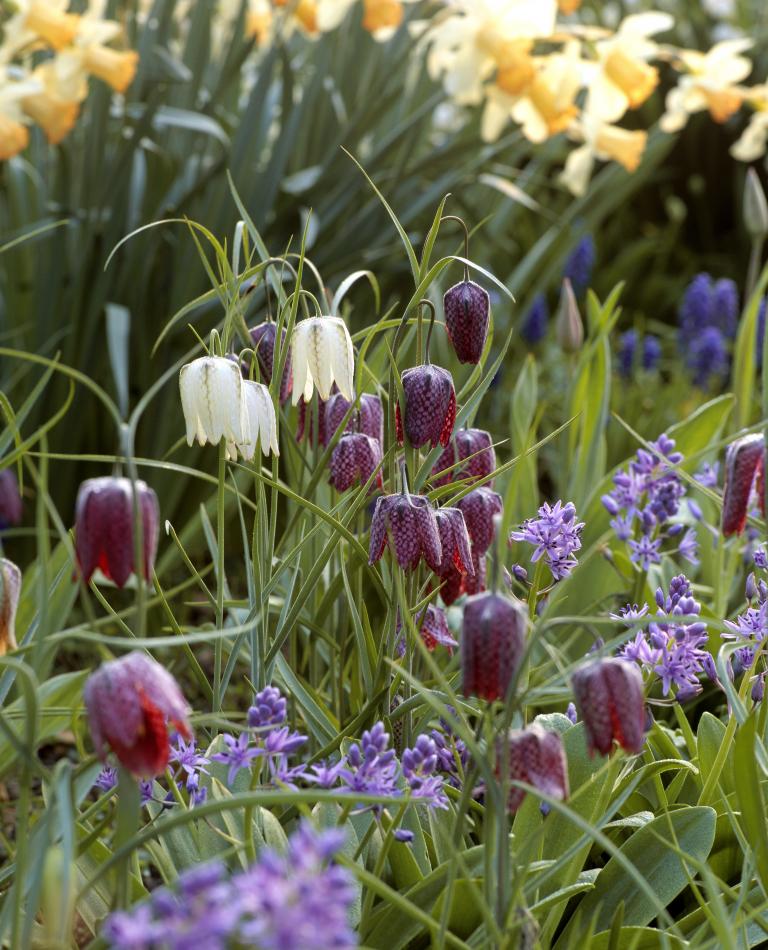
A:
[299, 354]
[342, 356]
[578, 169]
[187, 386]
[646, 24]
[605, 99]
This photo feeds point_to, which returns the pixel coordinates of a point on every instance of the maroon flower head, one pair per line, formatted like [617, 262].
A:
[466, 307]
[432, 624]
[306, 421]
[476, 447]
[430, 406]
[408, 523]
[479, 508]
[370, 413]
[456, 558]
[492, 644]
[353, 460]
[129, 702]
[744, 471]
[104, 528]
[609, 698]
[475, 583]
[263, 338]
[10, 499]
[536, 756]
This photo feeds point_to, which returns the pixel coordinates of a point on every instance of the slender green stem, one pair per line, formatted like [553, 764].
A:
[753, 271]
[220, 581]
[22, 841]
[128, 806]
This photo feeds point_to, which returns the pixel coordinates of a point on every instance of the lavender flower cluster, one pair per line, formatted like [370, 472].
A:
[708, 320]
[670, 649]
[633, 350]
[644, 500]
[555, 535]
[751, 626]
[298, 900]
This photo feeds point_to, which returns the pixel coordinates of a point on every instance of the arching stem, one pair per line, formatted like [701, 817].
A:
[427, 303]
[463, 223]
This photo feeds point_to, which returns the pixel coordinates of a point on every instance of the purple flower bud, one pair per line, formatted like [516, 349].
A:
[537, 757]
[407, 522]
[478, 508]
[104, 528]
[609, 698]
[467, 307]
[520, 573]
[744, 470]
[610, 504]
[476, 447]
[129, 702]
[369, 418]
[751, 586]
[430, 406]
[571, 713]
[403, 835]
[758, 688]
[10, 499]
[354, 459]
[492, 644]
[263, 338]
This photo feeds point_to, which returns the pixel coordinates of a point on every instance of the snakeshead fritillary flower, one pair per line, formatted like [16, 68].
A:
[263, 338]
[407, 522]
[369, 418]
[456, 558]
[432, 624]
[474, 446]
[478, 508]
[129, 702]
[353, 461]
[430, 406]
[466, 307]
[744, 471]
[213, 401]
[262, 425]
[609, 698]
[536, 756]
[306, 422]
[322, 354]
[104, 528]
[10, 591]
[492, 644]
[10, 499]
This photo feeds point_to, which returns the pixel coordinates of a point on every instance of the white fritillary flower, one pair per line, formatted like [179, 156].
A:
[322, 355]
[262, 423]
[213, 398]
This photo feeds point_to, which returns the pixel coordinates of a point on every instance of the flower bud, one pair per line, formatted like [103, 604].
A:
[432, 624]
[536, 756]
[755, 207]
[744, 470]
[10, 591]
[104, 528]
[129, 702]
[430, 406]
[569, 330]
[473, 445]
[263, 338]
[492, 644]
[467, 307]
[353, 461]
[408, 525]
[479, 508]
[10, 499]
[609, 698]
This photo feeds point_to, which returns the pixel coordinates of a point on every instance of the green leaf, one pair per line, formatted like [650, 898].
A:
[750, 796]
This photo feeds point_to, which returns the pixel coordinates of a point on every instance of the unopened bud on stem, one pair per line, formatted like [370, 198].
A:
[755, 207]
[569, 329]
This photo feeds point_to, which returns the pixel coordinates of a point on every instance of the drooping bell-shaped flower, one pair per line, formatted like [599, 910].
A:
[214, 402]
[432, 624]
[466, 307]
[430, 406]
[262, 424]
[744, 472]
[479, 508]
[473, 448]
[306, 421]
[407, 523]
[609, 698]
[456, 560]
[535, 756]
[369, 418]
[475, 582]
[129, 703]
[10, 499]
[263, 338]
[10, 591]
[104, 528]
[322, 354]
[354, 459]
[492, 644]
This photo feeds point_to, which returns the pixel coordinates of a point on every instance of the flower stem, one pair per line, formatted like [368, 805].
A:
[128, 806]
[219, 645]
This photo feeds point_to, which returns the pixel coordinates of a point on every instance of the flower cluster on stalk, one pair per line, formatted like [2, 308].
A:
[645, 499]
[555, 535]
[751, 626]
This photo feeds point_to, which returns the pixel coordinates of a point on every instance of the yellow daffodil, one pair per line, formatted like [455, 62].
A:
[45, 20]
[710, 82]
[567, 7]
[621, 79]
[601, 141]
[14, 136]
[753, 140]
[473, 39]
[55, 116]
[258, 21]
[304, 13]
[545, 105]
